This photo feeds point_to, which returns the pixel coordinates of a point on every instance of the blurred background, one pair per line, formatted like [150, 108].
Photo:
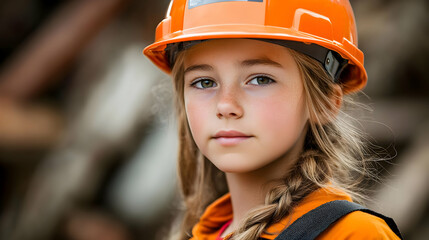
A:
[87, 133]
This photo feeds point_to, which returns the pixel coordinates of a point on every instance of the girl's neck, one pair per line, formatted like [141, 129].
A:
[246, 192]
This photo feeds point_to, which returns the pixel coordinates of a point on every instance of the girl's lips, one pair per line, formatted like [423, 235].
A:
[229, 134]
[230, 138]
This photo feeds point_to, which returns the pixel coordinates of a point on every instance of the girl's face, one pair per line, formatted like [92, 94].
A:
[245, 103]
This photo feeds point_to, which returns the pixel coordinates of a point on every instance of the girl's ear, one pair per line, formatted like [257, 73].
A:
[330, 111]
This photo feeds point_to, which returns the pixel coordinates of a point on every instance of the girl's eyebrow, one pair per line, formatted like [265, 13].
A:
[202, 67]
[245, 63]
[260, 61]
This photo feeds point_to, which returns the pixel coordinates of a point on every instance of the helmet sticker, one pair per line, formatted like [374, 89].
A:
[197, 3]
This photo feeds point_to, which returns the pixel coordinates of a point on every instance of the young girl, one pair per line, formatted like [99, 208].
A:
[259, 85]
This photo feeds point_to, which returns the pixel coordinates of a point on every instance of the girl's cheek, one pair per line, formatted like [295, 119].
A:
[271, 106]
[197, 105]
[278, 112]
[197, 118]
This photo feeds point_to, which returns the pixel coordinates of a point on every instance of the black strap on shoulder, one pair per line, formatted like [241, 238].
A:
[313, 223]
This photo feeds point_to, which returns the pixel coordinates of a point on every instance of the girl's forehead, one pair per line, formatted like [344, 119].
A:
[235, 49]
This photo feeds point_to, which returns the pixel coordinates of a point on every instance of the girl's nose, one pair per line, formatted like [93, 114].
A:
[229, 106]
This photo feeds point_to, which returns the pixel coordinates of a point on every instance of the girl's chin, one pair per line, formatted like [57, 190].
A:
[236, 166]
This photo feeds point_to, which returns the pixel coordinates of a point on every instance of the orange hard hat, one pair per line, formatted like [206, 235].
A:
[322, 29]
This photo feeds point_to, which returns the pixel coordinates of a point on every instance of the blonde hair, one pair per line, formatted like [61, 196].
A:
[333, 155]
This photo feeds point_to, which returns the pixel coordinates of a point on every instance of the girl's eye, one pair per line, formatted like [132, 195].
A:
[204, 83]
[261, 80]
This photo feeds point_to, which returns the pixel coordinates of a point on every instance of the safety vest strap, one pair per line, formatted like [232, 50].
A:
[313, 223]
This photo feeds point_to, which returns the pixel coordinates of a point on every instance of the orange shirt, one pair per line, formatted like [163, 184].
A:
[356, 225]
